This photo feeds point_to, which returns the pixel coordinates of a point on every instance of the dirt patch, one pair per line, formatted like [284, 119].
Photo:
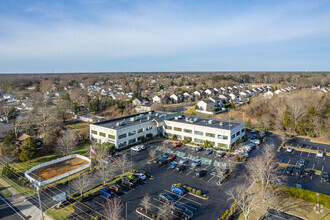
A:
[59, 168]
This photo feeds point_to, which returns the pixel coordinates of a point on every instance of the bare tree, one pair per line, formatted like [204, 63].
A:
[317, 125]
[123, 164]
[81, 183]
[247, 201]
[67, 143]
[145, 202]
[152, 153]
[230, 164]
[284, 137]
[113, 209]
[219, 172]
[64, 110]
[104, 171]
[164, 148]
[164, 211]
[45, 117]
[297, 111]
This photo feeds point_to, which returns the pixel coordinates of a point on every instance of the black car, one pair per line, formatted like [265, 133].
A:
[221, 154]
[209, 151]
[325, 177]
[180, 167]
[129, 182]
[165, 197]
[199, 148]
[200, 173]
[289, 169]
[308, 172]
[298, 170]
[181, 211]
[157, 159]
[163, 161]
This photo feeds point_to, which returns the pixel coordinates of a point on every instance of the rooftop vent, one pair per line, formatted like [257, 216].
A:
[195, 119]
[176, 118]
[210, 122]
[157, 114]
[132, 119]
[221, 123]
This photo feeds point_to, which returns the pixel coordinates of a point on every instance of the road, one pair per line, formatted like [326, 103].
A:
[8, 211]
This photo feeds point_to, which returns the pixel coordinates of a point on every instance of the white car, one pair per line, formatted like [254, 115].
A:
[255, 141]
[136, 148]
[184, 160]
[319, 153]
[289, 150]
[141, 176]
[141, 146]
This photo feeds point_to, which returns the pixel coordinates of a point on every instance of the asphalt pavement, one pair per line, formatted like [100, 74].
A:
[8, 211]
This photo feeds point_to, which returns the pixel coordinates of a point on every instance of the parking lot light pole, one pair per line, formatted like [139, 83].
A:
[38, 191]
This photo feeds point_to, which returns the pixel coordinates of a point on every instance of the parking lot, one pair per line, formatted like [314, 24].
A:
[211, 208]
[312, 183]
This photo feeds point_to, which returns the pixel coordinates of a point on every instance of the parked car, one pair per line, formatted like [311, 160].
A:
[136, 148]
[128, 182]
[141, 176]
[177, 144]
[166, 155]
[134, 177]
[184, 160]
[308, 172]
[181, 211]
[319, 153]
[209, 151]
[200, 173]
[107, 192]
[298, 170]
[221, 154]
[301, 162]
[289, 169]
[115, 188]
[255, 141]
[180, 167]
[196, 163]
[157, 159]
[289, 150]
[172, 156]
[300, 145]
[165, 197]
[174, 165]
[178, 189]
[199, 148]
[253, 131]
[163, 161]
[325, 177]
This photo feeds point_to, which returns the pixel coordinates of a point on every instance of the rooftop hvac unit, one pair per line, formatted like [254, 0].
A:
[176, 118]
[132, 119]
[221, 123]
[148, 117]
[157, 114]
[210, 122]
[195, 119]
[150, 113]
[187, 119]
[118, 124]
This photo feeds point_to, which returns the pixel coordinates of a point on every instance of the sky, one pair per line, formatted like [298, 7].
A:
[38, 36]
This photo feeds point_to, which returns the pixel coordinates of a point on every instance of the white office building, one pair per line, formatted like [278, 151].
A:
[133, 129]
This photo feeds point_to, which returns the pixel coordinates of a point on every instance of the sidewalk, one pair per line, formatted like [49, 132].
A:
[25, 207]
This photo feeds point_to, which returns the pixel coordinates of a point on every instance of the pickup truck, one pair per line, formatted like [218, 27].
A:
[107, 192]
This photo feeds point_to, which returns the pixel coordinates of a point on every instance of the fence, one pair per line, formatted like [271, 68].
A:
[42, 183]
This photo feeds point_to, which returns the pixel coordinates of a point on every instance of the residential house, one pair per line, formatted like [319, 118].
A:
[187, 97]
[268, 94]
[225, 98]
[157, 99]
[197, 94]
[223, 90]
[141, 101]
[176, 98]
[234, 98]
[243, 97]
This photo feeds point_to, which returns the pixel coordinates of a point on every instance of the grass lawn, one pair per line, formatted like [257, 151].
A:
[62, 213]
[24, 191]
[78, 126]
[5, 191]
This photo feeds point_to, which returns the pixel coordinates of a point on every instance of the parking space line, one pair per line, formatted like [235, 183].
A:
[289, 161]
[301, 153]
[183, 197]
[281, 160]
[190, 172]
[324, 157]
[308, 154]
[296, 162]
[177, 201]
[313, 166]
[322, 168]
[293, 151]
[211, 178]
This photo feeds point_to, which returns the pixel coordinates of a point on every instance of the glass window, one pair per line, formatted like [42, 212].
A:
[198, 132]
[94, 132]
[223, 145]
[209, 135]
[168, 127]
[187, 139]
[223, 137]
[131, 133]
[169, 134]
[132, 141]
[148, 128]
[187, 131]
[122, 136]
[196, 140]
[233, 136]
[123, 144]
[177, 129]
[141, 138]
[140, 130]
[238, 133]
[111, 136]
[102, 134]
[179, 137]
[243, 130]
[212, 143]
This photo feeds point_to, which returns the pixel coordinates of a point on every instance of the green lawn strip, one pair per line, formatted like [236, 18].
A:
[24, 191]
[62, 213]
[5, 191]
[308, 195]
[77, 127]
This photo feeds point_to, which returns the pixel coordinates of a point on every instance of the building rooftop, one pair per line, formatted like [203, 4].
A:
[208, 122]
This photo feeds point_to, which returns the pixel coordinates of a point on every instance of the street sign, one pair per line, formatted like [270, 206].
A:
[60, 197]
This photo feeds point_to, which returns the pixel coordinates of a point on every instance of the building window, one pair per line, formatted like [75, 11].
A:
[238, 133]
[140, 130]
[169, 135]
[179, 137]
[168, 127]
[198, 132]
[212, 143]
[233, 136]
[177, 129]
[187, 139]
[223, 137]
[122, 144]
[187, 131]
[111, 136]
[102, 134]
[210, 135]
[243, 130]
[131, 133]
[94, 132]
[122, 136]
[196, 140]
[223, 145]
[132, 141]
[141, 138]
[148, 128]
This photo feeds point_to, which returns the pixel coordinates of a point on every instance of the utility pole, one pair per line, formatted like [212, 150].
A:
[38, 191]
[126, 210]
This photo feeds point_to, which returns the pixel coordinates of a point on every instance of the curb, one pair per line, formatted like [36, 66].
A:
[140, 213]
[201, 197]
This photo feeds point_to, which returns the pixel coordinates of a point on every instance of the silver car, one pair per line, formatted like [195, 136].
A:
[184, 160]
[196, 163]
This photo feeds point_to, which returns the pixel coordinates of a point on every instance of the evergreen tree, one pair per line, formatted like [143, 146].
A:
[28, 150]
[10, 138]
[249, 124]
[287, 118]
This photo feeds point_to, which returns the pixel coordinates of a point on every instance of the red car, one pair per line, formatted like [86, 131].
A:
[177, 144]
[172, 156]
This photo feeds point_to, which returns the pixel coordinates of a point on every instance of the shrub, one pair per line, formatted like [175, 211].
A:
[158, 218]
[153, 216]
[184, 186]
[199, 192]
[144, 172]
[189, 189]
[179, 184]
[194, 190]
[80, 199]
[75, 194]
